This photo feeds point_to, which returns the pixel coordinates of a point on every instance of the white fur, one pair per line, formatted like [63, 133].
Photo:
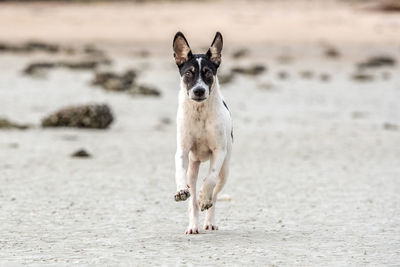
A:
[203, 133]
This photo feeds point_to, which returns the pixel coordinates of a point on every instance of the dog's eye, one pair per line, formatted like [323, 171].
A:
[208, 73]
[188, 74]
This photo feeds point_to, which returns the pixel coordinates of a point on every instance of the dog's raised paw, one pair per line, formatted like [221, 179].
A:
[182, 195]
[205, 201]
[205, 204]
[210, 227]
[205, 196]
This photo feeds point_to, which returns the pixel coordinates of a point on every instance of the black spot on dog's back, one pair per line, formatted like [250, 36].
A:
[226, 106]
[223, 102]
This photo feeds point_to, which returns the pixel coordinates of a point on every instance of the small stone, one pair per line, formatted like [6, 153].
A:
[358, 115]
[267, 86]
[166, 120]
[251, 70]
[6, 124]
[92, 50]
[283, 75]
[240, 53]
[377, 61]
[115, 82]
[36, 68]
[143, 53]
[362, 77]
[13, 145]
[389, 5]
[390, 126]
[332, 52]
[81, 153]
[306, 74]
[225, 78]
[144, 90]
[325, 77]
[28, 47]
[98, 116]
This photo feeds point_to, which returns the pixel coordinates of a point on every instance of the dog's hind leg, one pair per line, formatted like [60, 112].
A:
[193, 208]
[209, 222]
[206, 192]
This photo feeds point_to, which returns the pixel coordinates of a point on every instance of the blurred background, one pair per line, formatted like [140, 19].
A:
[88, 99]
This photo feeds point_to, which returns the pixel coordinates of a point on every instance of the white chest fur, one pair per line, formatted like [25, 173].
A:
[203, 127]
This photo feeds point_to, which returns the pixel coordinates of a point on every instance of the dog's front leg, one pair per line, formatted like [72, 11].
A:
[206, 192]
[193, 206]
[181, 166]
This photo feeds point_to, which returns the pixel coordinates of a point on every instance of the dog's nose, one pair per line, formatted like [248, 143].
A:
[199, 92]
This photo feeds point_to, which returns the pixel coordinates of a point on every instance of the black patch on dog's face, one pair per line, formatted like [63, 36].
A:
[191, 73]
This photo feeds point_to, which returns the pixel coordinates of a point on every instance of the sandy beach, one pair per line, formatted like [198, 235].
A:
[315, 171]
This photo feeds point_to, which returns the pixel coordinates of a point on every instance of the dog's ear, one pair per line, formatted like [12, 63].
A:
[182, 52]
[214, 52]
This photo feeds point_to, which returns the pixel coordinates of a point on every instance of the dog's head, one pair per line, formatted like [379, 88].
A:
[198, 71]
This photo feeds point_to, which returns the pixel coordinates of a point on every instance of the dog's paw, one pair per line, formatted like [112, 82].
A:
[182, 195]
[192, 230]
[205, 199]
[204, 202]
[210, 227]
[205, 205]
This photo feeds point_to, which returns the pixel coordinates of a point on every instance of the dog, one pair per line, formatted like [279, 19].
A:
[204, 130]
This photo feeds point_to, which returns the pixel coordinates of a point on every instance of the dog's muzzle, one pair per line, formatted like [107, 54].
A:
[199, 94]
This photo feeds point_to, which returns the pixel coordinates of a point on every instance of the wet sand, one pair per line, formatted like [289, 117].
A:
[315, 167]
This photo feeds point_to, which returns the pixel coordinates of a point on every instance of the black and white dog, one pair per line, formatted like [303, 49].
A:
[204, 130]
